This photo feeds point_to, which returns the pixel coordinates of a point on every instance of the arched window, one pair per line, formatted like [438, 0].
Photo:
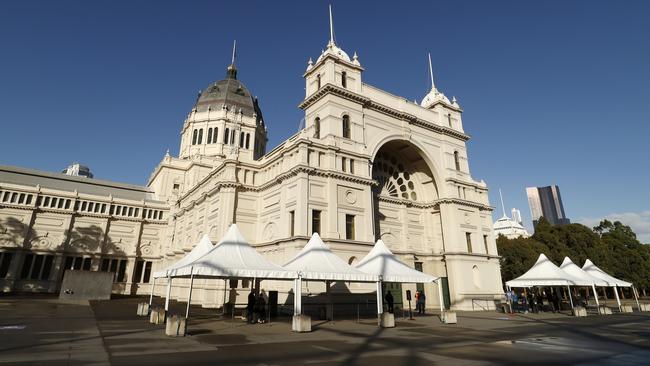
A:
[209, 135]
[225, 136]
[449, 119]
[194, 137]
[457, 160]
[215, 134]
[346, 126]
[318, 81]
[317, 128]
[200, 140]
[248, 140]
[241, 139]
[344, 79]
[476, 277]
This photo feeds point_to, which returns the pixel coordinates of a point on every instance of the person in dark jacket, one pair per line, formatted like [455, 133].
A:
[389, 301]
[422, 300]
[250, 307]
[260, 305]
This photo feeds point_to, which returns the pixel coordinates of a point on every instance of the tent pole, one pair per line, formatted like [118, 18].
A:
[618, 301]
[636, 298]
[442, 303]
[593, 287]
[189, 295]
[297, 302]
[380, 303]
[570, 298]
[153, 284]
[169, 291]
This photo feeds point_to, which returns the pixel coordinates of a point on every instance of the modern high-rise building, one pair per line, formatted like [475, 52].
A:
[546, 202]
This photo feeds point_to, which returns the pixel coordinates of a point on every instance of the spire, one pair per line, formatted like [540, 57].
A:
[503, 207]
[231, 72]
[331, 28]
[433, 85]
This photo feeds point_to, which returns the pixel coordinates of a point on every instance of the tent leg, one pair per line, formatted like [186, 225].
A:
[380, 303]
[442, 302]
[593, 287]
[169, 291]
[618, 301]
[297, 301]
[570, 298]
[636, 298]
[189, 297]
[153, 284]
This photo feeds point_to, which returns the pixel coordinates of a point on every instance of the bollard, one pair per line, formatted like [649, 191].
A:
[143, 309]
[176, 326]
[604, 310]
[157, 316]
[387, 320]
[644, 307]
[579, 311]
[626, 308]
[301, 323]
[448, 317]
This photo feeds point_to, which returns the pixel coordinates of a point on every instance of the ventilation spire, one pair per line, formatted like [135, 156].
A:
[331, 28]
[433, 85]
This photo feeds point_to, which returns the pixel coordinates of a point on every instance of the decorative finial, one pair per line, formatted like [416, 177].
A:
[453, 99]
[310, 62]
[355, 59]
[167, 153]
[331, 43]
[433, 85]
[231, 72]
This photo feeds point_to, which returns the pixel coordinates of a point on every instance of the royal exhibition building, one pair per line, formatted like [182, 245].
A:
[365, 165]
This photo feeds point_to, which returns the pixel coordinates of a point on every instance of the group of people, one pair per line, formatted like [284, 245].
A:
[533, 300]
[420, 301]
[256, 307]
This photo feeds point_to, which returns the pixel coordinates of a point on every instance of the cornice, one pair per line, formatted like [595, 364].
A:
[471, 184]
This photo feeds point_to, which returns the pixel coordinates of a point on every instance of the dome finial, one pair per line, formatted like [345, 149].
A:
[433, 85]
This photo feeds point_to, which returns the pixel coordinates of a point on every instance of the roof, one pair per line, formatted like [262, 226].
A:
[70, 183]
[544, 273]
[229, 93]
[317, 262]
[199, 250]
[591, 268]
[380, 261]
[233, 257]
[571, 268]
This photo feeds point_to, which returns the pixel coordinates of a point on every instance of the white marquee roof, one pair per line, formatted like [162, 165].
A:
[317, 262]
[204, 246]
[587, 280]
[233, 257]
[382, 262]
[544, 273]
[591, 268]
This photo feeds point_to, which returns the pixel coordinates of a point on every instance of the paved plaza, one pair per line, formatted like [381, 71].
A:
[42, 330]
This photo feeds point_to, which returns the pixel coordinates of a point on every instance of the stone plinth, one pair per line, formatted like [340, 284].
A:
[301, 323]
[175, 326]
[626, 308]
[448, 317]
[387, 320]
[604, 310]
[143, 309]
[157, 316]
[579, 311]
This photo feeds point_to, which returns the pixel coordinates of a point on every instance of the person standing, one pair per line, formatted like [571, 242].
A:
[421, 303]
[389, 301]
[260, 303]
[417, 301]
[250, 307]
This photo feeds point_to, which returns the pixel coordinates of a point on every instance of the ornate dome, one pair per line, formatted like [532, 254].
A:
[333, 49]
[509, 228]
[228, 93]
[434, 97]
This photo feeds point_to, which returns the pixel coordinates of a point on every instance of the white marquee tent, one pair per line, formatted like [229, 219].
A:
[381, 262]
[594, 271]
[545, 273]
[585, 278]
[317, 262]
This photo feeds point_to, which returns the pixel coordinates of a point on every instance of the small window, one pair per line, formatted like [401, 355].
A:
[315, 221]
[241, 140]
[225, 136]
[5, 261]
[292, 222]
[209, 135]
[176, 187]
[351, 166]
[468, 238]
[215, 134]
[317, 128]
[485, 242]
[194, 136]
[248, 140]
[139, 267]
[457, 160]
[349, 227]
[346, 126]
[343, 163]
[318, 81]
[344, 79]
[200, 140]
[449, 119]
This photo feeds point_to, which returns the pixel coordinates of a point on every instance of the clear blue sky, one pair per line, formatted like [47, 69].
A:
[553, 92]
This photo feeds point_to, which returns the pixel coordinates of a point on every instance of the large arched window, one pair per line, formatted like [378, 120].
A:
[209, 135]
[215, 135]
[194, 133]
[457, 160]
[225, 136]
[248, 140]
[344, 79]
[346, 126]
[200, 140]
[317, 128]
